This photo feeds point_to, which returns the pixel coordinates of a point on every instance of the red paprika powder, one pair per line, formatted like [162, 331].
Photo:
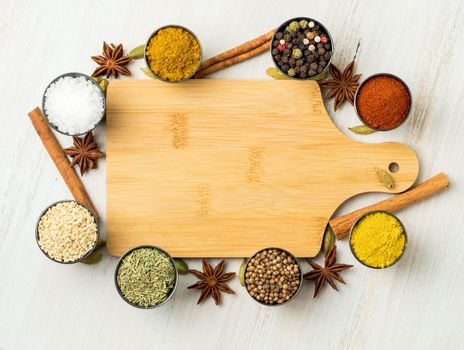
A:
[383, 102]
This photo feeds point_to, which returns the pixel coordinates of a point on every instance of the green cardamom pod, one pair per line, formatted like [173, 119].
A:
[241, 273]
[385, 178]
[328, 241]
[147, 72]
[275, 73]
[97, 79]
[137, 52]
[182, 266]
[362, 130]
[104, 84]
[93, 258]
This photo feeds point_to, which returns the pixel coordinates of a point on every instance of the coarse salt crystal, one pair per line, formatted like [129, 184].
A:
[74, 105]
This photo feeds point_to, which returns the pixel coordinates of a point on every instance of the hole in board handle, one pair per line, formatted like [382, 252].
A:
[393, 167]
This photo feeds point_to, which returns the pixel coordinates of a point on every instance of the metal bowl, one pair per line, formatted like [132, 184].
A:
[171, 293]
[83, 257]
[146, 57]
[299, 267]
[388, 75]
[362, 217]
[282, 27]
[74, 75]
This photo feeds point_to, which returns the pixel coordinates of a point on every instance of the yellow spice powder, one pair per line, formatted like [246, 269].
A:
[378, 239]
[173, 54]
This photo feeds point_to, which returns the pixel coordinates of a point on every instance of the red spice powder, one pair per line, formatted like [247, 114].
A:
[383, 102]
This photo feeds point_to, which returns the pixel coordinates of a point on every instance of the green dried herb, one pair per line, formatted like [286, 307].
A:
[147, 72]
[385, 178]
[93, 258]
[362, 130]
[146, 276]
[328, 241]
[182, 266]
[241, 272]
[137, 52]
[276, 74]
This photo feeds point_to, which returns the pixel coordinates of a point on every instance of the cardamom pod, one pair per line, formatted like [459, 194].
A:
[362, 130]
[182, 266]
[385, 178]
[93, 258]
[275, 73]
[328, 241]
[97, 79]
[241, 273]
[147, 72]
[104, 84]
[137, 52]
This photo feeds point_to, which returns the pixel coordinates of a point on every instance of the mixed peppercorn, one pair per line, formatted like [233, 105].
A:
[302, 49]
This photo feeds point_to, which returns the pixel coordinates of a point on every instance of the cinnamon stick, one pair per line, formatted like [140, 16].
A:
[234, 60]
[438, 183]
[239, 50]
[60, 159]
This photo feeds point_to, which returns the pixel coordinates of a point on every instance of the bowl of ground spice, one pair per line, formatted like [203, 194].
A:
[73, 104]
[146, 277]
[302, 48]
[378, 239]
[273, 276]
[173, 53]
[67, 232]
[383, 102]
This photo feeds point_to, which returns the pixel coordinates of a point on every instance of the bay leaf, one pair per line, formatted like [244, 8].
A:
[182, 266]
[328, 241]
[362, 130]
[137, 52]
[385, 178]
[147, 72]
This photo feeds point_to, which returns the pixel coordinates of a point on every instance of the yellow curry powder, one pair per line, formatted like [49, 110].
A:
[378, 239]
[173, 54]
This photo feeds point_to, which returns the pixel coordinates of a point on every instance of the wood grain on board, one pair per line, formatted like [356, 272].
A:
[212, 168]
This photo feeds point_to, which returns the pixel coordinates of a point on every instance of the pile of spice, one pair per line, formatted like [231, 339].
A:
[383, 102]
[378, 239]
[272, 276]
[173, 54]
[302, 49]
[74, 105]
[146, 277]
[67, 232]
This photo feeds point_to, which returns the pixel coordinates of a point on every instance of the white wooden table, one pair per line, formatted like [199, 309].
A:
[416, 304]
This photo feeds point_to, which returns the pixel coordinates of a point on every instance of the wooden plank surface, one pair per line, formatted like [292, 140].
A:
[222, 168]
[417, 304]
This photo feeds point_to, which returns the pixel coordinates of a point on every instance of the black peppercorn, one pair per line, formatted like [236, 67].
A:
[285, 59]
[310, 58]
[299, 62]
[275, 51]
[313, 66]
[321, 51]
[303, 69]
[327, 46]
[316, 56]
[307, 52]
[311, 72]
[291, 62]
[279, 35]
[288, 45]
[319, 70]
[287, 37]
[302, 74]
[275, 43]
[285, 67]
[327, 56]
[277, 57]
[286, 52]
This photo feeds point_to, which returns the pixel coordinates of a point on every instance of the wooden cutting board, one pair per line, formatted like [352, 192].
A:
[223, 168]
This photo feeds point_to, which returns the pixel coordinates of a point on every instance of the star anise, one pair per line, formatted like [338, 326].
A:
[85, 152]
[343, 85]
[112, 61]
[328, 273]
[212, 281]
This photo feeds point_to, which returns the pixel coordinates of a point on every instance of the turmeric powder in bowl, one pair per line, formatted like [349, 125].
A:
[173, 53]
[378, 239]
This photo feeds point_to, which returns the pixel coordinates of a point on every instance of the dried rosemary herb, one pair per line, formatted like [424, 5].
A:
[146, 277]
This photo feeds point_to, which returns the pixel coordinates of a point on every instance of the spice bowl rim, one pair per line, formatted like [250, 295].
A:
[147, 61]
[362, 217]
[388, 75]
[315, 77]
[84, 256]
[74, 75]
[297, 263]
[171, 293]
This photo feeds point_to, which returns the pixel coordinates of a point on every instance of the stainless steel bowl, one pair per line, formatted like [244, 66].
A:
[74, 75]
[282, 27]
[299, 267]
[67, 262]
[117, 270]
[362, 217]
[388, 75]
[146, 57]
